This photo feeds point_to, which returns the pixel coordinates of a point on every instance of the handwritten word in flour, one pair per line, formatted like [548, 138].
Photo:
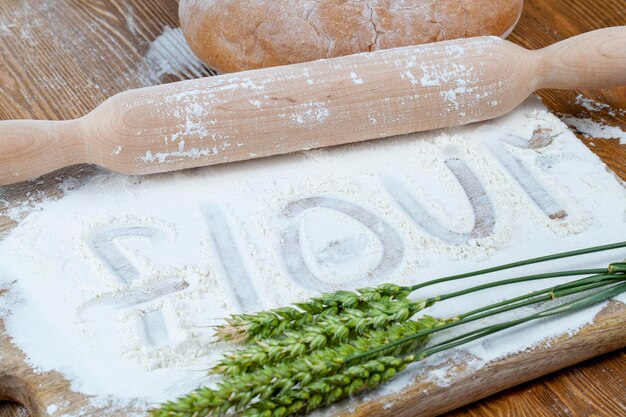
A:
[358, 248]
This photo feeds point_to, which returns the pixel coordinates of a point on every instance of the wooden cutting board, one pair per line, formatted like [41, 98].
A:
[42, 90]
[49, 394]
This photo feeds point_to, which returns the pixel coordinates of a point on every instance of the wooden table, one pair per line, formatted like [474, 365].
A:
[104, 42]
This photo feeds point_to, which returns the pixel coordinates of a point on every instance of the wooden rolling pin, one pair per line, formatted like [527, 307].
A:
[285, 109]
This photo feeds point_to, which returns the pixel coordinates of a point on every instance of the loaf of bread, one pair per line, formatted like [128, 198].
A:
[236, 35]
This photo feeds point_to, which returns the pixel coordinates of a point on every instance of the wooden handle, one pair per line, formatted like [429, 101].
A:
[30, 148]
[271, 111]
[593, 60]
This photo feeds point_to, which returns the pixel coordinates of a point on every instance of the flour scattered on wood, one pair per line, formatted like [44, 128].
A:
[170, 54]
[131, 23]
[595, 106]
[140, 62]
[595, 129]
[119, 303]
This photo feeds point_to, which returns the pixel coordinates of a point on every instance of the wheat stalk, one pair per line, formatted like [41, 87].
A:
[333, 329]
[331, 374]
[274, 323]
[327, 331]
[320, 351]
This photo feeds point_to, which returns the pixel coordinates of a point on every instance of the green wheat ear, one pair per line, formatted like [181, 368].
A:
[327, 331]
[273, 323]
[330, 389]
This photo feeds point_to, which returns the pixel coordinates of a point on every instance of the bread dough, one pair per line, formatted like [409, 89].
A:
[236, 35]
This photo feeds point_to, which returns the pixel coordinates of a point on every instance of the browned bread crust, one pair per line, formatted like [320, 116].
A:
[235, 35]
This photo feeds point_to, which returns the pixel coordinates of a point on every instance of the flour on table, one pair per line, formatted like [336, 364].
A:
[114, 284]
[591, 128]
[596, 106]
[595, 129]
[170, 54]
[150, 56]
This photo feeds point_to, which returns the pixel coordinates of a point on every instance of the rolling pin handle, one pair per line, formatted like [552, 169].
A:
[31, 148]
[593, 60]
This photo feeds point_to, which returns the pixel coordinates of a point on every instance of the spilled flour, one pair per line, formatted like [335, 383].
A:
[591, 128]
[594, 106]
[113, 284]
[169, 54]
[595, 129]
[149, 55]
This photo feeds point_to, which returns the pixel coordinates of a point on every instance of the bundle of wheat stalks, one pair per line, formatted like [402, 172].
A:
[293, 360]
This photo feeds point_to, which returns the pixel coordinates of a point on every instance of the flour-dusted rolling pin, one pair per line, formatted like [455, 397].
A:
[278, 110]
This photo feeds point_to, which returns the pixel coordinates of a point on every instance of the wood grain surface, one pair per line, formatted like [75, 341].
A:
[593, 388]
[60, 59]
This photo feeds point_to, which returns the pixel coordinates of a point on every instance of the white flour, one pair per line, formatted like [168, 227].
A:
[113, 284]
[170, 54]
[591, 128]
[595, 129]
[595, 106]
